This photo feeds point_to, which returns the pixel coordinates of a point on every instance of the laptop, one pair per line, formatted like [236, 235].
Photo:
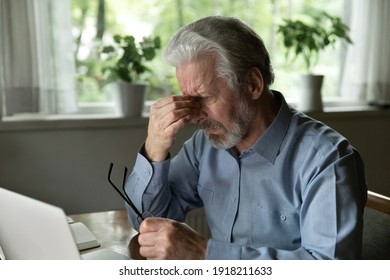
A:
[34, 230]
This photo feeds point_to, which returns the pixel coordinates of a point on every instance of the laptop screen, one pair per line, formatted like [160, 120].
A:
[32, 229]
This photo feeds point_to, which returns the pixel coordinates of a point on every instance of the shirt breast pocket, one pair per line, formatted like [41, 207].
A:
[276, 228]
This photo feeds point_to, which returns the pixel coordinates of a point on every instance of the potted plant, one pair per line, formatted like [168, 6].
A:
[307, 40]
[126, 63]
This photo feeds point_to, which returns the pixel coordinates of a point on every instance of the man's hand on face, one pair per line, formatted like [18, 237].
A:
[161, 238]
[167, 116]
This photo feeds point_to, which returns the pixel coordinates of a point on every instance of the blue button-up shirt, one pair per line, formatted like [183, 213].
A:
[297, 193]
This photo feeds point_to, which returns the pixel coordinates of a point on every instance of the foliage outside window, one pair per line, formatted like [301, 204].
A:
[308, 40]
[96, 21]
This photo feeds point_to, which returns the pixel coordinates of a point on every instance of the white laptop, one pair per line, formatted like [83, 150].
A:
[33, 230]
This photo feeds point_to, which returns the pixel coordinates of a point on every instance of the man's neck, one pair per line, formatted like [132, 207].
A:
[267, 108]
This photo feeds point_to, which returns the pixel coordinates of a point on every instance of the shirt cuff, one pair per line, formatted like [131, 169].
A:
[143, 153]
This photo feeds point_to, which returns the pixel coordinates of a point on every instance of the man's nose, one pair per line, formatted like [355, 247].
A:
[200, 116]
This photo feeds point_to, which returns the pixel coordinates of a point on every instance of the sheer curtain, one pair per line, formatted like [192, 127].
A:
[366, 74]
[36, 58]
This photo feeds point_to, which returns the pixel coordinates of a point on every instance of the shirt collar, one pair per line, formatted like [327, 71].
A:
[268, 145]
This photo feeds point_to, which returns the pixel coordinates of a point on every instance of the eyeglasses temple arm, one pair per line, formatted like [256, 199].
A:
[126, 198]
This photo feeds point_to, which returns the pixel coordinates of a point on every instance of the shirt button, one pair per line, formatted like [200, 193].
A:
[283, 217]
[235, 200]
[147, 172]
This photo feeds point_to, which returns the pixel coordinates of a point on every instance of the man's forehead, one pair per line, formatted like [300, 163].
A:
[194, 77]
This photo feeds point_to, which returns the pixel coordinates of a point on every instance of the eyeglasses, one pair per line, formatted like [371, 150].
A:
[124, 195]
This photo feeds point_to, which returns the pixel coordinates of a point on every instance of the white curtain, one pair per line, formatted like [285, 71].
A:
[366, 74]
[36, 58]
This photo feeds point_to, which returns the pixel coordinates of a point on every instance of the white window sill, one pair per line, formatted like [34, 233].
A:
[112, 120]
[77, 121]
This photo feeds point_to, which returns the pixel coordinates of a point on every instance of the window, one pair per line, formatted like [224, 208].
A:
[36, 63]
[94, 22]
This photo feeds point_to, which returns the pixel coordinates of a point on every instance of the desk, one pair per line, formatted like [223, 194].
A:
[111, 228]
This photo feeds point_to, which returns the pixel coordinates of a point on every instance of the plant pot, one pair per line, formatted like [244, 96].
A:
[131, 98]
[311, 98]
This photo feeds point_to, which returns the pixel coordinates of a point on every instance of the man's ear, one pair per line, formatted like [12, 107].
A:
[255, 83]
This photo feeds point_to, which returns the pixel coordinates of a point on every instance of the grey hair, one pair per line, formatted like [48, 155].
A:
[236, 46]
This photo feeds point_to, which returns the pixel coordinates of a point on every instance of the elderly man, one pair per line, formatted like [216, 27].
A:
[274, 183]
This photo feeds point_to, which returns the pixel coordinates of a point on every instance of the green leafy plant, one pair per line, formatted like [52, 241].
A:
[126, 59]
[308, 39]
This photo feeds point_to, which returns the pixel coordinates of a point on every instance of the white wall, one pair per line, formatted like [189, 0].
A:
[66, 162]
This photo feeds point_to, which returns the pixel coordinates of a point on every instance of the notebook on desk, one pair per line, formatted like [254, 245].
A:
[83, 237]
[33, 230]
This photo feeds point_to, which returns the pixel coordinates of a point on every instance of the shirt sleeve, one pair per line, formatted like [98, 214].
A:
[144, 174]
[332, 209]
[151, 188]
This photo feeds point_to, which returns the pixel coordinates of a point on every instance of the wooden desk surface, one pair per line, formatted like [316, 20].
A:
[111, 228]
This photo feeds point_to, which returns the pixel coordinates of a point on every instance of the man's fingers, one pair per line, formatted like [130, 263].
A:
[152, 224]
[149, 238]
[147, 252]
[173, 110]
[175, 115]
[176, 102]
